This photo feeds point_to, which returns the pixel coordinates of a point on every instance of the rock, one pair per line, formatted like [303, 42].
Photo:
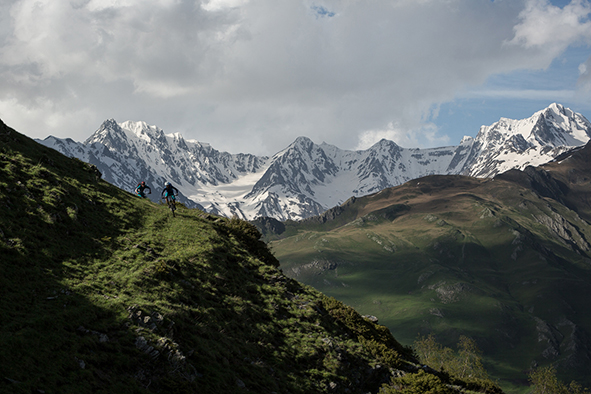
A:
[371, 318]
[81, 363]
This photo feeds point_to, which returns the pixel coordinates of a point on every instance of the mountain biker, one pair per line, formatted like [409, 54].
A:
[139, 189]
[169, 191]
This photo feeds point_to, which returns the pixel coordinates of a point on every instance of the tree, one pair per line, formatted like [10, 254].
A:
[466, 363]
[544, 381]
[431, 353]
[469, 360]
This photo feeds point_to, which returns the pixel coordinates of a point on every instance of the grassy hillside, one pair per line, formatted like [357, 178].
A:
[103, 292]
[506, 262]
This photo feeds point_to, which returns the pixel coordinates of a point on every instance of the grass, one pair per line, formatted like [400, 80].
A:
[104, 292]
[479, 264]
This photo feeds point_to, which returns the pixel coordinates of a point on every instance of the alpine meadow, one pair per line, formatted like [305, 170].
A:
[105, 292]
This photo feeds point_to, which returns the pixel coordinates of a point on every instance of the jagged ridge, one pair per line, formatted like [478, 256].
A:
[305, 179]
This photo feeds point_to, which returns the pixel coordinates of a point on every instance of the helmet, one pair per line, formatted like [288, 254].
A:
[166, 184]
[143, 183]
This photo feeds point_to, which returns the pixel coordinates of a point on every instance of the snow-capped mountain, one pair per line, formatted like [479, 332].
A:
[129, 152]
[510, 143]
[305, 179]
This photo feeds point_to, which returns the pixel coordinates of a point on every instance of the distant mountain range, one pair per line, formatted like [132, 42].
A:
[305, 179]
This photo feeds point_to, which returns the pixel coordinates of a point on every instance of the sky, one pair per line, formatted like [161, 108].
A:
[250, 76]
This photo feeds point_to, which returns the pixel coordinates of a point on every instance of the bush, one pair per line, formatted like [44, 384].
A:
[417, 383]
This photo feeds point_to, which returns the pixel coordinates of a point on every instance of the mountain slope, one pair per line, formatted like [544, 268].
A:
[305, 179]
[506, 261]
[104, 292]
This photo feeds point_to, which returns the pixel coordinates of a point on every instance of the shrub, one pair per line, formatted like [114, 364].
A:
[417, 383]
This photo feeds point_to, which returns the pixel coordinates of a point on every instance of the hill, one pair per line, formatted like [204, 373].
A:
[104, 292]
[505, 261]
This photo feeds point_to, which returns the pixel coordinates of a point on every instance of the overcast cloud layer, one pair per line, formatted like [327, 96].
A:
[252, 75]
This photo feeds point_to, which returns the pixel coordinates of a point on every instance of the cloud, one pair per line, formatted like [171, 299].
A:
[252, 75]
[405, 137]
[53, 117]
[584, 80]
[522, 94]
[218, 5]
[551, 28]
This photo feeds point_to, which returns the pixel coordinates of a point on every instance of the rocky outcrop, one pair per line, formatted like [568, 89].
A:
[564, 231]
[315, 267]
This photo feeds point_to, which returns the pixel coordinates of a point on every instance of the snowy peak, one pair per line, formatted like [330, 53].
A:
[555, 126]
[305, 178]
[141, 129]
[510, 143]
[384, 145]
[557, 119]
[108, 134]
[302, 143]
[466, 140]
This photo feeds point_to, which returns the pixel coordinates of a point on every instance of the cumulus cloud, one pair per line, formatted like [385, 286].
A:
[252, 75]
[551, 28]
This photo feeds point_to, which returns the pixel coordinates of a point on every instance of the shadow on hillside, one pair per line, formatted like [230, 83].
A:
[57, 220]
[505, 296]
[240, 321]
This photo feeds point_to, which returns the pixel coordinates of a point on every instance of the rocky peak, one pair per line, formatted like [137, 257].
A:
[385, 145]
[109, 134]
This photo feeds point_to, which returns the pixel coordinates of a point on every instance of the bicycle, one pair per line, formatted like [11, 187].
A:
[142, 194]
[171, 201]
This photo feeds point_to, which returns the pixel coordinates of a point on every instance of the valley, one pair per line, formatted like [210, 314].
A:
[481, 240]
[505, 261]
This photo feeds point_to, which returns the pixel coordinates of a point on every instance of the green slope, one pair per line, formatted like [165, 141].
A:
[103, 292]
[505, 261]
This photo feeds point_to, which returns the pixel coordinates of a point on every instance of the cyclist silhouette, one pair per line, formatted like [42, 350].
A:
[169, 191]
[139, 189]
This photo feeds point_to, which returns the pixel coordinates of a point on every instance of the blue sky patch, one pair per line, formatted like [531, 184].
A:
[322, 12]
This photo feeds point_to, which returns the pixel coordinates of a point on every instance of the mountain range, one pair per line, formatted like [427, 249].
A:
[305, 179]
